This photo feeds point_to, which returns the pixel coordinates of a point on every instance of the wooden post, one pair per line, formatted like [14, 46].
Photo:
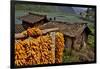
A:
[52, 34]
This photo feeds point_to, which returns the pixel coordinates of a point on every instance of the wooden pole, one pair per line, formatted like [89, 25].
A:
[19, 35]
[52, 34]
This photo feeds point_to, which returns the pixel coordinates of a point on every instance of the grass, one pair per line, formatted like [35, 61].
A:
[91, 38]
[68, 57]
[36, 8]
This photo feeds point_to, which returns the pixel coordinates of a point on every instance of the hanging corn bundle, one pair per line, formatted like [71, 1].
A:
[29, 51]
[38, 50]
[34, 32]
[59, 47]
[20, 53]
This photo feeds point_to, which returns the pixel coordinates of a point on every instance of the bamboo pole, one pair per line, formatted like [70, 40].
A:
[18, 35]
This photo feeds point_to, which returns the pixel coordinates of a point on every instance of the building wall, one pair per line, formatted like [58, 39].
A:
[76, 43]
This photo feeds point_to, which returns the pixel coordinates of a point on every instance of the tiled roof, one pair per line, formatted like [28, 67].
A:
[70, 29]
[32, 18]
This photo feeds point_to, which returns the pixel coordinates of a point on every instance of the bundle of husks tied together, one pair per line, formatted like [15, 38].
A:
[39, 48]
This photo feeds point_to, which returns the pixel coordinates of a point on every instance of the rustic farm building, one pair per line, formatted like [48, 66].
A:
[75, 34]
[32, 19]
